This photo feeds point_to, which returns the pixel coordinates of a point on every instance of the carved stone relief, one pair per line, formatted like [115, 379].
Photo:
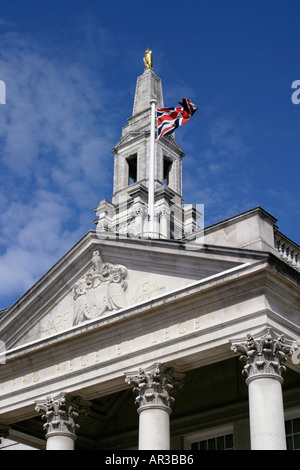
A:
[155, 386]
[102, 289]
[62, 413]
[265, 355]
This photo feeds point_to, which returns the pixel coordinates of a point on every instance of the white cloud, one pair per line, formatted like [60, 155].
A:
[219, 165]
[227, 143]
[34, 236]
[54, 158]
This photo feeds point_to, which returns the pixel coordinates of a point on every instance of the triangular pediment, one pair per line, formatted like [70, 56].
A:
[131, 137]
[99, 278]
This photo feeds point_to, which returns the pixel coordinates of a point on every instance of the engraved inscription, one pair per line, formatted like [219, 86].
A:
[58, 323]
[146, 291]
[104, 354]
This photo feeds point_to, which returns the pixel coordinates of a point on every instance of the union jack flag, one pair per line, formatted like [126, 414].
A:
[168, 119]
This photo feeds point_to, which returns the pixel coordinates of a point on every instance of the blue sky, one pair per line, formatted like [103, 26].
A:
[70, 70]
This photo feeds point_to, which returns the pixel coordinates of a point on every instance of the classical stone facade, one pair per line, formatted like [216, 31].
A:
[134, 342]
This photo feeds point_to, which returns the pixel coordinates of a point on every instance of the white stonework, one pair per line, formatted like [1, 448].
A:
[264, 360]
[155, 388]
[62, 414]
[118, 303]
[127, 214]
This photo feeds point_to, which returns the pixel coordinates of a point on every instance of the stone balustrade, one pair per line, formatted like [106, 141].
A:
[287, 250]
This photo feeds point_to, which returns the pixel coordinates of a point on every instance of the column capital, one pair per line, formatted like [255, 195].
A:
[62, 413]
[155, 386]
[264, 355]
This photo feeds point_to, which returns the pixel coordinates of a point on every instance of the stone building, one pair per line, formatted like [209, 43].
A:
[185, 339]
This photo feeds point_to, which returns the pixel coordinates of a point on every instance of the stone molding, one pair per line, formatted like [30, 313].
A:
[263, 356]
[155, 386]
[62, 414]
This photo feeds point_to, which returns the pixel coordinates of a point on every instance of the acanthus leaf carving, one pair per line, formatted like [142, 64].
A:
[265, 355]
[62, 413]
[155, 386]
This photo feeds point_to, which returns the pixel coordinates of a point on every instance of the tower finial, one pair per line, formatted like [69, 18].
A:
[148, 59]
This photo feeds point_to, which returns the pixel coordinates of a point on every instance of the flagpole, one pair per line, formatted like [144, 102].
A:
[151, 199]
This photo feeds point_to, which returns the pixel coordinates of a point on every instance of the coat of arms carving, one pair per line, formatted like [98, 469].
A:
[101, 290]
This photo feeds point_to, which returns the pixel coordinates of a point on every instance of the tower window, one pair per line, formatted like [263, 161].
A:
[167, 170]
[132, 169]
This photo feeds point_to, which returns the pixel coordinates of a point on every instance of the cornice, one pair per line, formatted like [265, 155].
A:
[187, 297]
[169, 247]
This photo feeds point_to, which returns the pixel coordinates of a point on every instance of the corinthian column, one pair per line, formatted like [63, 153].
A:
[263, 360]
[62, 413]
[155, 387]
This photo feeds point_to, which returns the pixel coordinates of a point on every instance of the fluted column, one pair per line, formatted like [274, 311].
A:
[264, 358]
[62, 414]
[155, 387]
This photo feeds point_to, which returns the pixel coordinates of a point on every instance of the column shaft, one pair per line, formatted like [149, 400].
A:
[267, 431]
[155, 387]
[60, 442]
[154, 429]
[263, 358]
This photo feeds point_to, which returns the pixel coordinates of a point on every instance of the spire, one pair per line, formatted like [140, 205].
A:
[148, 87]
[127, 213]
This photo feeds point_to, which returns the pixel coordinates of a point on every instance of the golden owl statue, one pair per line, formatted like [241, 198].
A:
[148, 59]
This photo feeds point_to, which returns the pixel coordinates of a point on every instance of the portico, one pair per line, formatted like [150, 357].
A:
[131, 342]
[175, 333]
